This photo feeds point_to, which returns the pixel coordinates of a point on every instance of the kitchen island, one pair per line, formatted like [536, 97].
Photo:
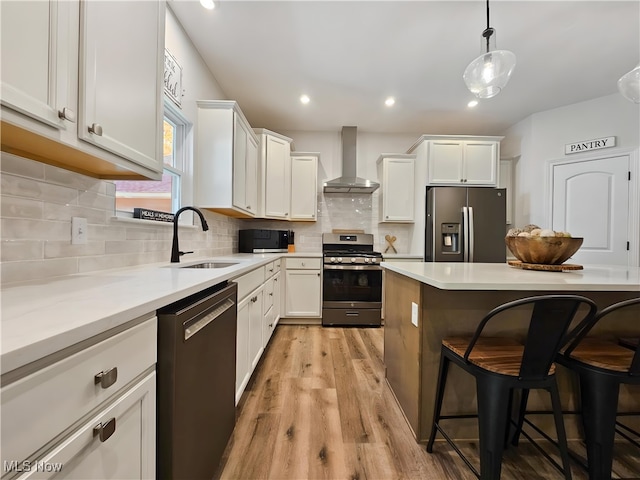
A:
[426, 302]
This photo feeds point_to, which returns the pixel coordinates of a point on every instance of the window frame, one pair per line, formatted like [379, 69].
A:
[182, 191]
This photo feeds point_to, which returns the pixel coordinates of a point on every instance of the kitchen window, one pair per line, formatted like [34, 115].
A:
[174, 189]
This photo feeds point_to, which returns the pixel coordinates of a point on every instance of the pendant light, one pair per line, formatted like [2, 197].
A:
[629, 85]
[490, 72]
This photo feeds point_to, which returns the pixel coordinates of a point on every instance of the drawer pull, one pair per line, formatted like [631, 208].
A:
[106, 378]
[105, 430]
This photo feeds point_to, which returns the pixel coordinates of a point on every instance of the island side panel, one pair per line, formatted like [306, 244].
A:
[402, 345]
[458, 312]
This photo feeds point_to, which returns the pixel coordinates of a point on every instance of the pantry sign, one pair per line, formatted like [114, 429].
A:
[586, 145]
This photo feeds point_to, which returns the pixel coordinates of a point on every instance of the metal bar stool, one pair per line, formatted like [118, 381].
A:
[501, 365]
[601, 365]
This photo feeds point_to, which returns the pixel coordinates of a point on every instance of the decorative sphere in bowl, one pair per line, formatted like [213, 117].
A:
[543, 250]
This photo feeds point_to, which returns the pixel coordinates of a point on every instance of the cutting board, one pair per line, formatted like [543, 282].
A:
[546, 268]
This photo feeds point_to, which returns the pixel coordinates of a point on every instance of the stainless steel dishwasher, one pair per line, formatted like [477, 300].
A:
[196, 375]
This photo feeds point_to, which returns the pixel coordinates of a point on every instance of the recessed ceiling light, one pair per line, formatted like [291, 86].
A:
[208, 4]
[472, 103]
[389, 101]
[305, 99]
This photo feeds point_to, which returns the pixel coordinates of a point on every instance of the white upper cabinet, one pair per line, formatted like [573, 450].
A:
[120, 96]
[226, 160]
[275, 174]
[459, 160]
[396, 173]
[35, 62]
[304, 186]
[71, 66]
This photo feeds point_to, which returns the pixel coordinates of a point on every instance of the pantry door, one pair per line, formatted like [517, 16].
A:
[590, 199]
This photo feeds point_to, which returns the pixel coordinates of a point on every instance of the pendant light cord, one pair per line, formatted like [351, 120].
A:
[488, 31]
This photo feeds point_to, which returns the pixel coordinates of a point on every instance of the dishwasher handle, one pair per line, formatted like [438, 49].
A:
[194, 325]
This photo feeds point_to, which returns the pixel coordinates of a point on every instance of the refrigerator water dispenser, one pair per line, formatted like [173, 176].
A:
[450, 238]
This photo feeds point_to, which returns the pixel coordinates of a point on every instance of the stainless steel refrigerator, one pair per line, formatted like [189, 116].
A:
[465, 224]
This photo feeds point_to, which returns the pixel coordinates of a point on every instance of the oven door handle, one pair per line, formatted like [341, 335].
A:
[352, 267]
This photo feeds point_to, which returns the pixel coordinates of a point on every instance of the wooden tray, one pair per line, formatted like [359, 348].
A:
[545, 268]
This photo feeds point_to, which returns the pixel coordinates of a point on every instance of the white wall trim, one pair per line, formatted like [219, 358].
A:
[634, 192]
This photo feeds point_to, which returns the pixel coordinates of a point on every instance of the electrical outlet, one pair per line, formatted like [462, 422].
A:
[414, 313]
[79, 234]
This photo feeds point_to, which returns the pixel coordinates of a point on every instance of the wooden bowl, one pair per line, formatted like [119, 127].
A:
[543, 250]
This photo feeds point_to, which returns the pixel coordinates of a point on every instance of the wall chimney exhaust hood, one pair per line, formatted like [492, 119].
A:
[348, 182]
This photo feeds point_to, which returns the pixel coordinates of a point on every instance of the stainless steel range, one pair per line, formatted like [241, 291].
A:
[352, 280]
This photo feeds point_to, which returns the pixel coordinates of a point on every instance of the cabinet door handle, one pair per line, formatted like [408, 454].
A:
[106, 378]
[286, 213]
[67, 114]
[105, 430]
[271, 294]
[248, 207]
[96, 129]
[318, 274]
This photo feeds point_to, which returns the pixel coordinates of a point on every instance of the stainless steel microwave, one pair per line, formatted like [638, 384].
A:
[263, 241]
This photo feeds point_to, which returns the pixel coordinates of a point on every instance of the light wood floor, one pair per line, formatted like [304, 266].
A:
[318, 407]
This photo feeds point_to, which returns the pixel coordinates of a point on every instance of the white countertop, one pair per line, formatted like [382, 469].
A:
[500, 276]
[41, 318]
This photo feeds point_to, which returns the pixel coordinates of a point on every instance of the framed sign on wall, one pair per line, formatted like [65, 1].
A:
[172, 78]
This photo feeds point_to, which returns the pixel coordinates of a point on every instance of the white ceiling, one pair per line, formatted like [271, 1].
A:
[349, 56]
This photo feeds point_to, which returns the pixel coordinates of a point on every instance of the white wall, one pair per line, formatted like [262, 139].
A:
[542, 137]
[197, 81]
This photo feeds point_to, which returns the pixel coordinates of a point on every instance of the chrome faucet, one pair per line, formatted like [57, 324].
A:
[175, 250]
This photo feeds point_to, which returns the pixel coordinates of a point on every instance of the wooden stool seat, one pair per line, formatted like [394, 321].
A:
[495, 354]
[604, 354]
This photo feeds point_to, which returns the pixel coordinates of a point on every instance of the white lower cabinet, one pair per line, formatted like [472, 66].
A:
[249, 345]
[91, 414]
[258, 313]
[256, 346]
[303, 287]
[117, 443]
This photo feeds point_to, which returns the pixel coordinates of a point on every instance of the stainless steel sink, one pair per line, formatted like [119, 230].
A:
[211, 265]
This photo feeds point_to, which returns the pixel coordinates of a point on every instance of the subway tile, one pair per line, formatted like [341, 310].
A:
[54, 211]
[15, 250]
[18, 207]
[107, 232]
[26, 187]
[21, 166]
[13, 272]
[97, 200]
[106, 262]
[120, 247]
[26, 229]
[60, 176]
[61, 249]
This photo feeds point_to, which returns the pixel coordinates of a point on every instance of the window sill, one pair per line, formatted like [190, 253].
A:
[142, 221]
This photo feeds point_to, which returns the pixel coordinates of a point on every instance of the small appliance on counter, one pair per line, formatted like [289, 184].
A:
[263, 241]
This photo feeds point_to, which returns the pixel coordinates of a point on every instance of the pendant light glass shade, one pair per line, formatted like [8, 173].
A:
[629, 85]
[488, 74]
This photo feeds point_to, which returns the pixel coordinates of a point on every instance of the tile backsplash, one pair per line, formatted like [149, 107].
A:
[37, 202]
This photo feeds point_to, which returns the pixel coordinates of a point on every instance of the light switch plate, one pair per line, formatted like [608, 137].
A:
[78, 231]
[414, 313]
